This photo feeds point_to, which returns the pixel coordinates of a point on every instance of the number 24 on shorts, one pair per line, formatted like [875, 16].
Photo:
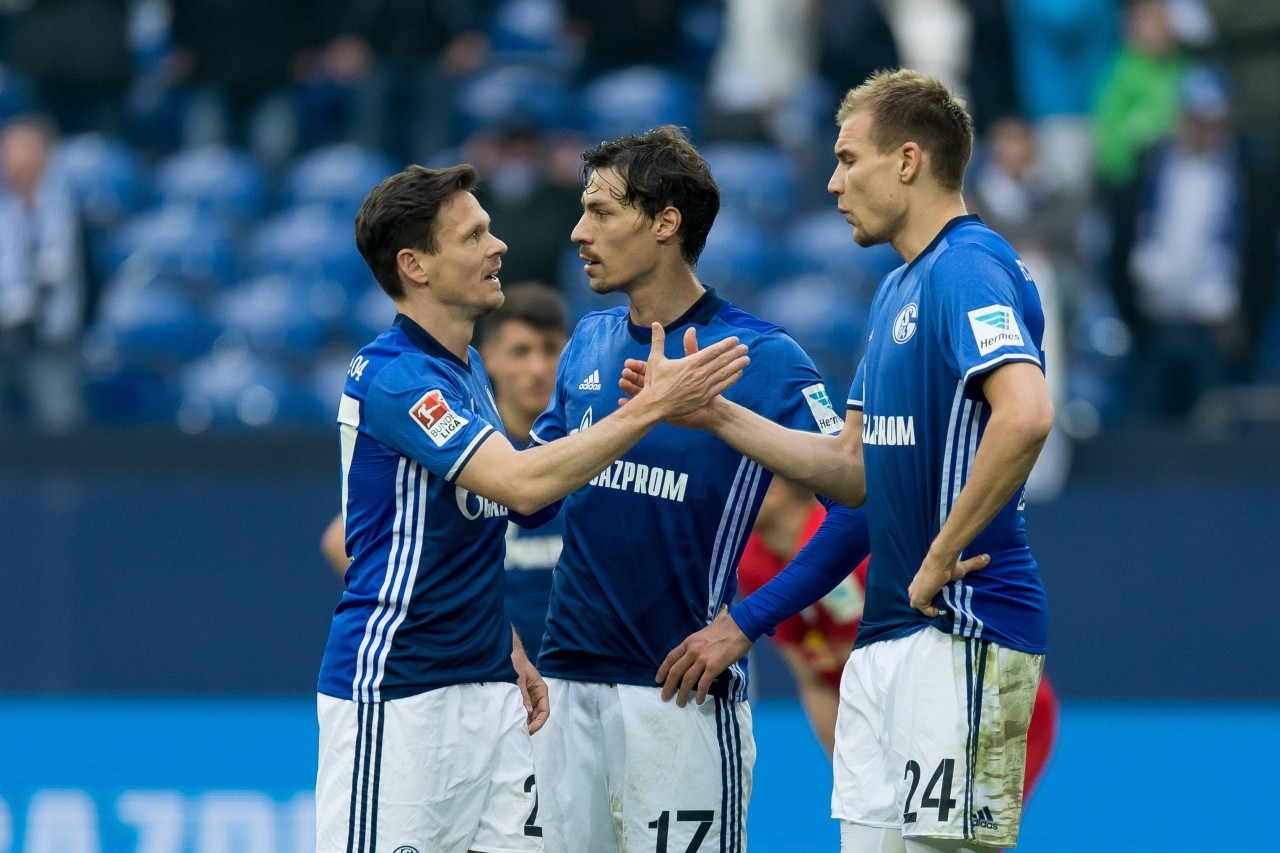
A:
[942, 800]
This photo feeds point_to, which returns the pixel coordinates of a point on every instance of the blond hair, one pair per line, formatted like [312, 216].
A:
[907, 106]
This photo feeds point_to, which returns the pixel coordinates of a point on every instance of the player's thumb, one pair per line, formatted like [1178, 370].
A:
[658, 345]
[690, 341]
[974, 563]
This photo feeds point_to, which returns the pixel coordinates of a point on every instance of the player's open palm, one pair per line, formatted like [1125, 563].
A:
[699, 660]
[701, 375]
[935, 573]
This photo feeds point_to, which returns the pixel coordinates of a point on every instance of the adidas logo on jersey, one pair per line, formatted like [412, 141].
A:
[984, 818]
[591, 383]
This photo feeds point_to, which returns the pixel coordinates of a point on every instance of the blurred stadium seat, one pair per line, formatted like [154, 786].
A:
[739, 258]
[823, 316]
[178, 241]
[104, 174]
[509, 96]
[150, 320]
[756, 180]
[283, 317]
[234, 388]
[216, 180]
[338, 177]
[635, 99]
[821, 243]
[526, 30]
[313, 242]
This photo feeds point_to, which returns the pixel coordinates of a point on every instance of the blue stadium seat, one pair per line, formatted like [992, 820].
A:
[149, 320]
[528, 30]
[179, 241]
[338, 177]
[104, 175]
[370, 315]
[739, 258]
[232, 387]
[283, 317]
[510, 96]
[755, 180]
[824, 318]
[311, 243]
[215, 179]
[635, 99]
[822, 244]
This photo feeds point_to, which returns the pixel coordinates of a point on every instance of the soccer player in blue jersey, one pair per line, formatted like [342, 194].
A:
[946, 416]
[521, 344]
[652, 543]
[425, 699]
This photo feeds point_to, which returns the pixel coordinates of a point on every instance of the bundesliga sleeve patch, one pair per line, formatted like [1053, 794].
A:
[993, 327]
[820, 405]
[435, 417]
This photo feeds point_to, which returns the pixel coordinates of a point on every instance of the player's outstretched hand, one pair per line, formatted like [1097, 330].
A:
[934, 574]
[533, 690]
[683, 387]
[701, 658]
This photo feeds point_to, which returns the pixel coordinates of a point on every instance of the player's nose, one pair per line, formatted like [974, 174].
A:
[579, 233]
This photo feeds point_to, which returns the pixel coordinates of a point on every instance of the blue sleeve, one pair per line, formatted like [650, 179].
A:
[836, 549]
[537, 519]
[421, 414]
[857, 391]
[782, 384]
[990, 312]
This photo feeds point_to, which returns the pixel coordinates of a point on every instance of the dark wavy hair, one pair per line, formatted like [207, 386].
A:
[662, 168]
[401, 213]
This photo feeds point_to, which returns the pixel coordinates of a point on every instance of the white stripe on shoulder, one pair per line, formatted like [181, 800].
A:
[349, 411]
[465, 455]
[987, 365]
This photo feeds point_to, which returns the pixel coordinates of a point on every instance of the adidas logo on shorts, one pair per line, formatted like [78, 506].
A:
[985, 819]
[591, 383]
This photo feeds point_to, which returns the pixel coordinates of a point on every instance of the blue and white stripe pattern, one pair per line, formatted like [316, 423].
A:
[398, 583]
[975, 682]
[366, 770]
[957, 460]
[732, 811]
[735, 525]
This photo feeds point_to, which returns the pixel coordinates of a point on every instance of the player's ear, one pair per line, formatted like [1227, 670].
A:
[414, 266]
[910, 162]
[666, 224]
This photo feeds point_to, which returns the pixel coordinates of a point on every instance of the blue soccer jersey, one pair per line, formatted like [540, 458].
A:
[531, 556]
[652, 544]
[961, 309]
[423, 605]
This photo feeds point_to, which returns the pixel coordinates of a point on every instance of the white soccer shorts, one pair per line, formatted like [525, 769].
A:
[619, 769]
[445, 771]
[931, 737]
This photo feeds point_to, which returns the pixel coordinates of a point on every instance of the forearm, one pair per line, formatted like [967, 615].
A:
[838, 546]
[545, 473]
[1004, 459]
[824, 463]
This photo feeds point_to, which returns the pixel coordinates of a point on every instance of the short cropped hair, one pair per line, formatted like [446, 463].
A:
[531, 303]
[401, 213]
[906, 106]
[662, 168]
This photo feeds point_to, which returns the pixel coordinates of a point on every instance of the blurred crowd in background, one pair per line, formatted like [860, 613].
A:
[180, 178]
